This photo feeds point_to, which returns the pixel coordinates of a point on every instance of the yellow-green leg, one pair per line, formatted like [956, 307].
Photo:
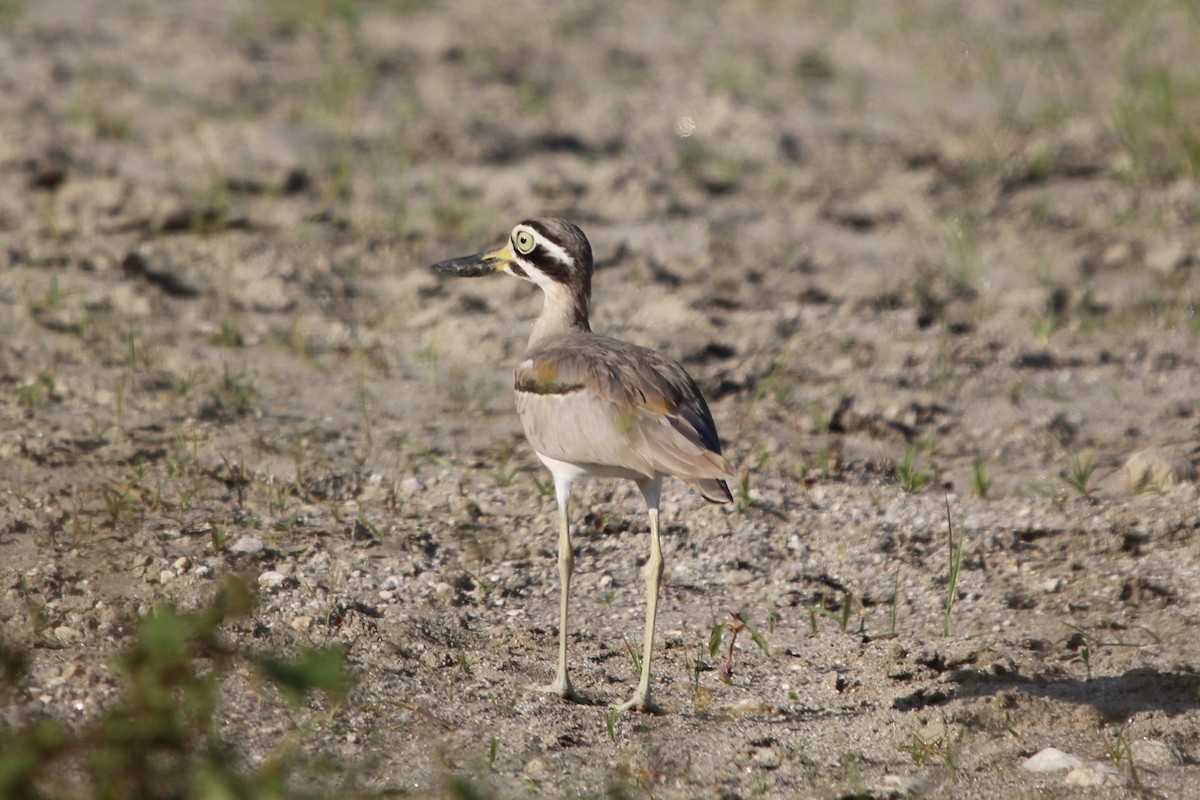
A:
[566, 565]
[653, 572]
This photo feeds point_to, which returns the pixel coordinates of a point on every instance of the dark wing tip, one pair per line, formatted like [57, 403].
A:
[714, 490]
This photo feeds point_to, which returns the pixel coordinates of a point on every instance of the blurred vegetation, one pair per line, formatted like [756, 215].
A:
[163, 737]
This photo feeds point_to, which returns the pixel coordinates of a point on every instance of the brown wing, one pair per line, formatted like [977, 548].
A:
[628, 407]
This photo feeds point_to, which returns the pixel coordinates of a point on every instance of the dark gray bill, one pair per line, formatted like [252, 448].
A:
[468, 266]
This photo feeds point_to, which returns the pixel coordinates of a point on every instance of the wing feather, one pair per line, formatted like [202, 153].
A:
[629, 407]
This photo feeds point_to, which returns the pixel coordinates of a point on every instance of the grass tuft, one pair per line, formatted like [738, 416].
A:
[163, 737]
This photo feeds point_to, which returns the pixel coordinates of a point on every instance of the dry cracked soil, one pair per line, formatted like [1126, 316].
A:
[935, 264]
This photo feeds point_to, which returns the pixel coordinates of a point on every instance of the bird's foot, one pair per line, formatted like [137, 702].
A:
[639, 702]
[562, 687]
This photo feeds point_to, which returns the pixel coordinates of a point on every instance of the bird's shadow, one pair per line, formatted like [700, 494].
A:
[1115, 697]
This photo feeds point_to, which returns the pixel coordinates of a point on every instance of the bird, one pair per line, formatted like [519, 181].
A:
[593, 406]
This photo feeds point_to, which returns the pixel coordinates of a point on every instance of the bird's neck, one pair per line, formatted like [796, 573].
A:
[564, 311]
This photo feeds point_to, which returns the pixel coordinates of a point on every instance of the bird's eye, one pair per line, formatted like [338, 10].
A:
[524, 242]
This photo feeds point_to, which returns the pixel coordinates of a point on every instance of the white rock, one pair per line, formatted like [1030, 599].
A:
[271, 579]
[1051, 760]
[203, 571]
[302, 622]
[1052, 585]
[166, 575]
[1094, 774]
[248, 544]
[900, 786]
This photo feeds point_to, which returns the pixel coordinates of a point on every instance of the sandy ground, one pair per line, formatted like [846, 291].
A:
[935, 261]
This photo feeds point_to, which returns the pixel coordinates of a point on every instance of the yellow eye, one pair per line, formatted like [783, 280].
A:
[524, 242]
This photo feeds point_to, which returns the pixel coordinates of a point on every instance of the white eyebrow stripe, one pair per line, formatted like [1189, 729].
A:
[555, 249]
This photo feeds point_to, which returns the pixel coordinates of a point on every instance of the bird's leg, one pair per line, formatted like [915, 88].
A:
[652, 490]
[566, 565]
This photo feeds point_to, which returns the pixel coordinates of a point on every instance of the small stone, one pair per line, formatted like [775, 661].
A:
[65, 634]
[302, 622]
[1156, 468]
[766, 758]
[203, 571]
[248, 545]
[1051, 760]
[272, 579]
[1052, 585]
[535, 768]
[181, 565]
[166, 575]
[411, 485]
[900, 786]
[748, 707]
[374, 489]
[1094, 774]
[267, 295]
[1154, 753]
[1167, 257]
[443, 590]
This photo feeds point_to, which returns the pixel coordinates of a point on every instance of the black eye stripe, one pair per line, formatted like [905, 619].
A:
[548, 263]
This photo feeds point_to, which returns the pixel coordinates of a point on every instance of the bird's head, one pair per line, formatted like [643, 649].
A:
[550, 252]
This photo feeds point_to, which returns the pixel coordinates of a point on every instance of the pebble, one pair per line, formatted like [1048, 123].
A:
[203, 571]
[766, 758]
[1094, 774]
[900, 786]
[1156, 468]
[1167, 257]
[302, 622]
[166, 575]
[1051, 760]
[65, 634]
[182, 565]
[1052, 585]
[272, 579]
[1154, 753]
[248, 544]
